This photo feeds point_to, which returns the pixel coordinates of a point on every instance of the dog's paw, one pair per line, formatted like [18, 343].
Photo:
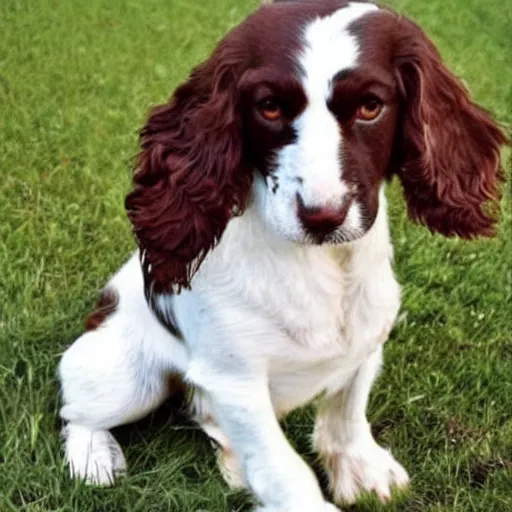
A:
[363, 466]
[93, 455]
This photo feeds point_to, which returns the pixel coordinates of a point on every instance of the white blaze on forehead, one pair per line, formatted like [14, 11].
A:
[328, 48]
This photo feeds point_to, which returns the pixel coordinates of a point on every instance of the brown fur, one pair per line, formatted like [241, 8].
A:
[448, 155]
[190, 173]
[105, 306]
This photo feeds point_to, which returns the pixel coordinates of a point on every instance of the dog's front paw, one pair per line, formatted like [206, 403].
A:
[93, 455]
[363, 466]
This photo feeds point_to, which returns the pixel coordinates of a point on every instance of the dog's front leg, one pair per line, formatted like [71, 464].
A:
[274, 472]
[352, 458]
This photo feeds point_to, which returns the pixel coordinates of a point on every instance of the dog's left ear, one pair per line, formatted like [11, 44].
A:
[447, 151]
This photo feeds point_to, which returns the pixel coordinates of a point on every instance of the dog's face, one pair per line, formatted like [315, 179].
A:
[320, 127]
[321, 101]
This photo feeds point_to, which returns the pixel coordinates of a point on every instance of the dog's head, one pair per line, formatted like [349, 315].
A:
[320, 101]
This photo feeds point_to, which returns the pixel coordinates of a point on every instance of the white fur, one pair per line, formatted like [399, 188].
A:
[269, 324]
[93, 455]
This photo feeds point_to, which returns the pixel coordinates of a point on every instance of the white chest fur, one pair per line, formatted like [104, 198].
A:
[310, 315]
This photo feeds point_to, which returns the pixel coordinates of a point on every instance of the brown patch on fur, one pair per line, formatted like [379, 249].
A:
[106, 305]
[177, 391]
[176, 384]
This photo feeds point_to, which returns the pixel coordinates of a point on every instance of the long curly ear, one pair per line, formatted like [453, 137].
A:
[448, 147]
[190, 175]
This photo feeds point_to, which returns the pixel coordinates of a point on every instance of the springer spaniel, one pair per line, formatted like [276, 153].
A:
[263, 276]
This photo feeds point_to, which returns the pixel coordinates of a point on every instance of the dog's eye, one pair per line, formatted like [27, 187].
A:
[270, 109]
[369, 109]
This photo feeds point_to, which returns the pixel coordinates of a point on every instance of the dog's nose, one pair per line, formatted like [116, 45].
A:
[322, 220]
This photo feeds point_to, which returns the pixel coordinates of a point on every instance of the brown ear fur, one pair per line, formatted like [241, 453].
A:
[189, 175]
[449, 147]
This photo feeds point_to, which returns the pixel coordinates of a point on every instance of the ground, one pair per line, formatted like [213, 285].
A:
[76, 79]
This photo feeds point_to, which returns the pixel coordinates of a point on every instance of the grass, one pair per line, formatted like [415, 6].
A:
[76, 79]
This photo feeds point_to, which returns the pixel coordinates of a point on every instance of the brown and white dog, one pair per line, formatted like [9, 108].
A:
[263, 276]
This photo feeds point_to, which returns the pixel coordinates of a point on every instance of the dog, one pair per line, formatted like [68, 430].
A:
[263, 273]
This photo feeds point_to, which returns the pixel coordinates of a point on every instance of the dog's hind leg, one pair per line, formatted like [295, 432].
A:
[115, 373]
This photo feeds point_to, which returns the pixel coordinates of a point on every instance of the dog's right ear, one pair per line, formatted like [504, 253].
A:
[189, 176]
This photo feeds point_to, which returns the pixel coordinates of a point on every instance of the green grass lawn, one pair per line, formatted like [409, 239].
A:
[76, 79]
